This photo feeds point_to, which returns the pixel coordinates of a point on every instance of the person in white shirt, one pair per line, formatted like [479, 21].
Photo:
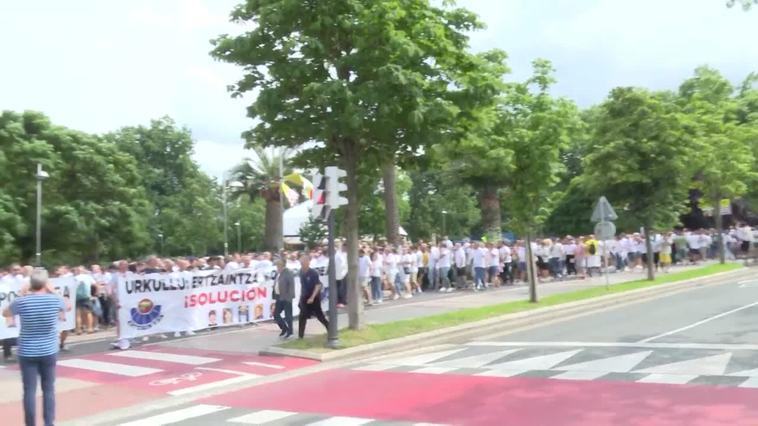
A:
[745, 236]
[364, 274]
[340, 265]
[443, 268]
[459, 259]
[406, 259]
[391, 262]
[434, 255]
[555, 256]
[569, 250]
[479, 255]
[416, 266]
[506, 276]
[377, 291]
[493, 265]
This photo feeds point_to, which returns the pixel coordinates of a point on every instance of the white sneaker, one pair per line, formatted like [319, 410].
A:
[190, 333]
[395, 297]
[378, 302]
[407, 296]
[177, 334]
[450, 290]
[122, 344]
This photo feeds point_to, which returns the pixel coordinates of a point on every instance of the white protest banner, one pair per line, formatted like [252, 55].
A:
[182, 301]
[11, 288]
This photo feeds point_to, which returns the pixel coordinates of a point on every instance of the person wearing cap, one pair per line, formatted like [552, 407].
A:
[40, 309]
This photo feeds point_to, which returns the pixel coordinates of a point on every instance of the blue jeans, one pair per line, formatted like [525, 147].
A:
[478, 276]
[376, 289]
[399, 283]
[433, 277]
[31, 367]
[444, 277]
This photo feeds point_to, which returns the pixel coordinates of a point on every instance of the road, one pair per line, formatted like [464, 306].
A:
[686, 359]
[694, 351]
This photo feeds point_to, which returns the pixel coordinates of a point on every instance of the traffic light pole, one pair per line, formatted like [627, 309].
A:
[333, 333]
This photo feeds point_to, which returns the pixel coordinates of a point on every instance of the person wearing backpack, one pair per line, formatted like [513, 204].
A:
[84, 316]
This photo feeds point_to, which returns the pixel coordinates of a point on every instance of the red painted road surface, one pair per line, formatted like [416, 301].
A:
[474, 400]
[113, 389]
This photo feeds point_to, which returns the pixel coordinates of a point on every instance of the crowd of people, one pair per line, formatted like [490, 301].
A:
[389, 272]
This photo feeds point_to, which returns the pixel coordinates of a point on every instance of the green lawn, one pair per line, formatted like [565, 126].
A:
[378, 332]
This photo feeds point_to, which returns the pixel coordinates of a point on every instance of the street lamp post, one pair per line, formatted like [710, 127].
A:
[444, 216]
[160, 236]
[40, 176]
[233, 184]
[239, 237]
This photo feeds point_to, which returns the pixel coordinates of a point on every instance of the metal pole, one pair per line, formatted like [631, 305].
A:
[239, 237]
[530, 269]
[444, 216]
[281, 196]
[38, 246]
[226, 231]
[333, 333]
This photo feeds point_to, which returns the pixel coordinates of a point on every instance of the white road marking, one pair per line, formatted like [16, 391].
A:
[476, 361]
[342, 421]
[580, 375]
[707, 366]
[750, 383]
[670, 379]
[261, 417]
[374, 367]
[263, 364]
[699, 323]
[433, 370]
[211, 385]
[542, 362]
[714, 346]
[501, 372]
[108, 367]
[745, 373]
[614, 364]
[423, 359]
[221, 370]
[157, 356]
[748, 283]
[177, 415]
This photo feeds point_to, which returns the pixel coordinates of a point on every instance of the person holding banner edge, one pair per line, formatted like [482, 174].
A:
[310, 296]
[284, 293]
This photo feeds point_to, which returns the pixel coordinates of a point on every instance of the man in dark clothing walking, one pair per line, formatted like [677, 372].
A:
[310, 296]
[284, 292]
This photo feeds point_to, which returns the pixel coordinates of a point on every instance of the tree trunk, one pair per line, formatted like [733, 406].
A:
[530, 269]
[391, 212]
[650, 254]
[273, 238]
[354, 296]
[490, 210]
[719, 229]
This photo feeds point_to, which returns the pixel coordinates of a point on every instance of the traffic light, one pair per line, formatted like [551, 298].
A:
[335, 187]
[320, 209]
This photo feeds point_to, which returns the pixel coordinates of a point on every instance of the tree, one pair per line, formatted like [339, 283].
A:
[261, 177]
[724, 160]
[186, 203]
[479, 152]
[312, 233]
[363, 79]
[537, 128]
[746, 4]
[642, 159]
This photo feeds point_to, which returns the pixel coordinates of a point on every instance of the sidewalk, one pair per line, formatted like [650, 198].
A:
[255, 338]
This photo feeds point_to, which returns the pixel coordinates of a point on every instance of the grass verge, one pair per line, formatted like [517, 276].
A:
[391, 330]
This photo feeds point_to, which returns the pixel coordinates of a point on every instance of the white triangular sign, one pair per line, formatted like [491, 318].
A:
[615, 364]
[707, 366]
[603, 211]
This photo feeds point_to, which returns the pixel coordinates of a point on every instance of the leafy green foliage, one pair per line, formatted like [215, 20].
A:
[312, 233]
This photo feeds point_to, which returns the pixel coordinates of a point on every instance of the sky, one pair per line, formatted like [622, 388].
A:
[98, 65]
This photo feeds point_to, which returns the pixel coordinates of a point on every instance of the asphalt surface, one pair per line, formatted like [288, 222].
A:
[683, 359]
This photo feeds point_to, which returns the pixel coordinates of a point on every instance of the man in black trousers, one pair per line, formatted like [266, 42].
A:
[310, 296]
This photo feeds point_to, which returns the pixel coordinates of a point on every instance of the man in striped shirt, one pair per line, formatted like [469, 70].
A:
[39, 309]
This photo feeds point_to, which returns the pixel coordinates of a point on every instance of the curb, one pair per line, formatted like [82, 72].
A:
[508, 322]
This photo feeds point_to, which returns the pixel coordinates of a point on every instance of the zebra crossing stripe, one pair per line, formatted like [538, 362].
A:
[108, 367]
[165, 357]
[177, 415]
[261, 417]
[342, 421]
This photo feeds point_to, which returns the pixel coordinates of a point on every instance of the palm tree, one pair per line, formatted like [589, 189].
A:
[261, 177]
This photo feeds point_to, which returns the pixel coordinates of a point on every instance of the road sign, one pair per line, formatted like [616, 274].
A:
[605, 230]
[603, 211]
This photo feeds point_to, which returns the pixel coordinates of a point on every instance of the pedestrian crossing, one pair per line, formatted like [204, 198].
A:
[207, 414]
[668, 364]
